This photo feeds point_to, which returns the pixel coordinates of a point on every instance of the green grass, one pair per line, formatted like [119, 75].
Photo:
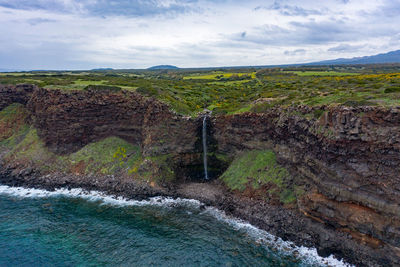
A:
[229, 82]
[106, 156]
[322, 73]
[13, 124]
[16, 137]
[85, 83]
[229, 92]
[78, 84]
[12, 74]
[111, 155]
[255, 169]
[392, 89]
[217, 75]
[31, 149]
[108, 88]
[287, 196]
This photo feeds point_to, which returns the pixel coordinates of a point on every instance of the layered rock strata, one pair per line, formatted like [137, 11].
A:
[346, 159]
[15, 94]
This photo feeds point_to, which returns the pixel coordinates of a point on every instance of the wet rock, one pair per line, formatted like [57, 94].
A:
[347, 160]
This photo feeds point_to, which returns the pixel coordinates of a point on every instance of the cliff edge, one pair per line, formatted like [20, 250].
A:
[323, 176]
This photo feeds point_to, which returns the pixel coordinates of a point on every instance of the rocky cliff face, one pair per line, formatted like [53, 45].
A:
[66, 121]
[346, 159]
[15, 94]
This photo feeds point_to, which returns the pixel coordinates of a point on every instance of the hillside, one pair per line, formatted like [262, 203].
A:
[163, 67]
[390, 57]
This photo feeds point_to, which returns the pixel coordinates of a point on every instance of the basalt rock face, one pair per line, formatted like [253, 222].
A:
[66, 121]
[15, 94]
[348, 159]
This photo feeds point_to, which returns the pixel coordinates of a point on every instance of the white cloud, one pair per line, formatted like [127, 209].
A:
[72, 34]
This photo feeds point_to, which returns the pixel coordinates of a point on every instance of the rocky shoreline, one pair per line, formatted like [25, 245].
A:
[324, 177]
[287, 224]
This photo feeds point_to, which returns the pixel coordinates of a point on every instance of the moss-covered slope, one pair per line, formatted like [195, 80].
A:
[258, 173]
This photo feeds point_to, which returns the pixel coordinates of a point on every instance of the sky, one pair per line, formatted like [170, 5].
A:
[86, 34]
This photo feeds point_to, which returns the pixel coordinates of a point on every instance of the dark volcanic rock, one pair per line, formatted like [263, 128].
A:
[347, 160]
[15, 94]
[66, 121]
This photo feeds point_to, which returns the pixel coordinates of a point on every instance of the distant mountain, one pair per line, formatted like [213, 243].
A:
[9, 70]
[163, 67]
[390, 57]
[101, 69]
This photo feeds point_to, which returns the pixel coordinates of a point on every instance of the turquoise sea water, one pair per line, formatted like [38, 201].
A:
[75, 228]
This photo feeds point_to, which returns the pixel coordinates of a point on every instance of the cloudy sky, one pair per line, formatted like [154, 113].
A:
[85, 34]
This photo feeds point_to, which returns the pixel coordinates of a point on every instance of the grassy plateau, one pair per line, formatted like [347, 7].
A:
[226, 91]
[190, 91]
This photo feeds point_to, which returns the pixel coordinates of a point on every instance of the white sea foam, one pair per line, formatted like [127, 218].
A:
[306, 255]
[95, 196]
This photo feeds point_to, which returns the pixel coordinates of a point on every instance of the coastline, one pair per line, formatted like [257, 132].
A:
[261, 237]
[285, 224]
[323, 177]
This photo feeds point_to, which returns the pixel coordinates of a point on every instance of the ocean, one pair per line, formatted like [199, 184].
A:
[80, 228]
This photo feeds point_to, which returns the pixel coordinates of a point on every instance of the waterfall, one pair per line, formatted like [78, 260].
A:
[205, 146]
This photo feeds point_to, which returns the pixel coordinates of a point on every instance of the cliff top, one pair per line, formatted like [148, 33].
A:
[237, 90]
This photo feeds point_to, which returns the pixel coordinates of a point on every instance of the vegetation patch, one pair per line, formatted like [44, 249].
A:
[13, 124]
[227, 91]
[322, 73]
[31, 151]
[392, 89]
[221, 76]
[103, 88]
[111, 155]
[256, 170]
[162, 171]
[107, 156]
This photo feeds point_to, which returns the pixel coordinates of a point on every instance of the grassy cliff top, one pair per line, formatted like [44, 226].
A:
[237, 90]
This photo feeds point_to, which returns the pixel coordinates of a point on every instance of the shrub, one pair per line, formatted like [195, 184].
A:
[147, 91]
[103, 88]
[393, 89]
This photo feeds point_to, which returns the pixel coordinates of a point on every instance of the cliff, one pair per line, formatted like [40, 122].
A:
[326, 176]
[67, 121]
[15, 94]
[348, 161]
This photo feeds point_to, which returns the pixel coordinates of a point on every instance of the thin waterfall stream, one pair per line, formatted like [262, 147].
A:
[205, 147]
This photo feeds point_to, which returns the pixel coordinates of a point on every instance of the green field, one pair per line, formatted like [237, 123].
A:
[322, 73]
[227, 91]
[219, 75]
